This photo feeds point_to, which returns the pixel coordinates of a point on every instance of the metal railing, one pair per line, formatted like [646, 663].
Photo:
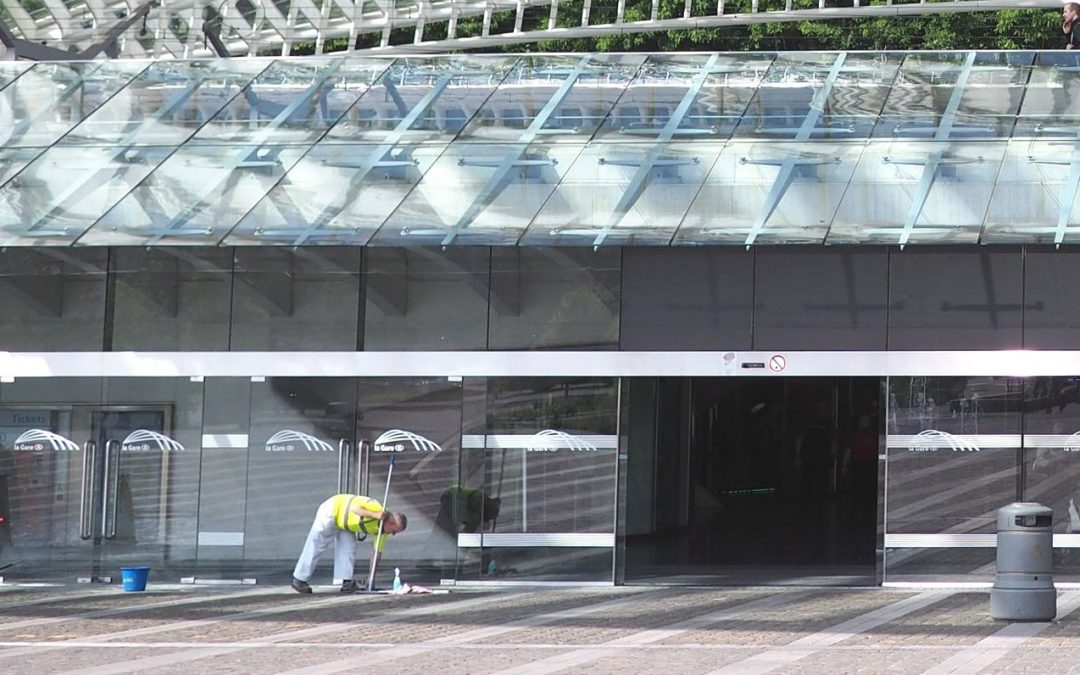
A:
[188, 28]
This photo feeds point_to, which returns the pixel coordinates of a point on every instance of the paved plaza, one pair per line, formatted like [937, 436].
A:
[270, 629]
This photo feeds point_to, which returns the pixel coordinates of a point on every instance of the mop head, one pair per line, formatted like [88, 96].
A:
[408, 589]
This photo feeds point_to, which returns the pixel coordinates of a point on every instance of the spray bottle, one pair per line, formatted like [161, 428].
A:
[397, 579]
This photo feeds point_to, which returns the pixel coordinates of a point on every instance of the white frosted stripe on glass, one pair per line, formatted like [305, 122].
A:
[1052, 441]
[225, 440]
[981, 441]
[221, 538]
[530, 539]
[496, 441]
[965, 541]
[940, 541]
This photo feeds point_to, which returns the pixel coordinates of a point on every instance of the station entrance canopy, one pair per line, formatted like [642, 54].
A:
[571, 149]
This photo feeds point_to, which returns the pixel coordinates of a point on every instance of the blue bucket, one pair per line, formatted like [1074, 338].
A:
[134, 578]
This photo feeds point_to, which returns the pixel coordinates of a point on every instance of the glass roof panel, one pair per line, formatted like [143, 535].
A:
[1051, 106]
[484, 194]
[57, 196]
[1034, 200]
[833, 96]
[12, 160]
[422, 99]
[923, 192]
[195, 196]
[50, 98]
[165, 103]
[771, 192]
[337, 194]
[955, 95]
[9, 70]
[557, 98]
[544, 149]
[620, 194]
[684, 96]
[292, 101]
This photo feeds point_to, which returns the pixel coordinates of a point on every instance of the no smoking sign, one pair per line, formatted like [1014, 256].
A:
[777, 363]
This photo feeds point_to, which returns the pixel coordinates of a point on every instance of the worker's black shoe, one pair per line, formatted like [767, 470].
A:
[300, 586]
[349, 586]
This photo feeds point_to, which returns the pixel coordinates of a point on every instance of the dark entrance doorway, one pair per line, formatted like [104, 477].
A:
[753, 480]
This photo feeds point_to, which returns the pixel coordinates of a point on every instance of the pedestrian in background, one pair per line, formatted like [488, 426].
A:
[1070, 24]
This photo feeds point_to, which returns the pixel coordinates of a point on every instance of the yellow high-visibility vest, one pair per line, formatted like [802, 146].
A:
[347, 519]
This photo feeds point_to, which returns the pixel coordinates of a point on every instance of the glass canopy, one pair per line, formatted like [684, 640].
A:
[544, 149]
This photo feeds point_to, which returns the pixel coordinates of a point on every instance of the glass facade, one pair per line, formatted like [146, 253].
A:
[452, 209]
[958, 448]
[590, 150]
[220, 477]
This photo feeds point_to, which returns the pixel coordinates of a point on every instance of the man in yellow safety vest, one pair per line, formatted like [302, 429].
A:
[345, 519]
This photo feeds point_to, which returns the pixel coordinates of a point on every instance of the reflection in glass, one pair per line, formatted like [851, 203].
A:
[336, 194]
[956, 405]
[545, 461]
[430, 408]
[293, 101]
[165, 103]
[13, 160]
[9, 70]
[478, 194]
[56, 197]
[286, 481]
[1052, 455]
[195, 196]
[554, 96]
[286, 299]
[1052, 405]
[624, 194]
[52, 302]
[952, 455]
[833, 96]
[687, 95]
[51, 98]
[955, 95]
[1034, 198]
[1052, 96]
[425, 298]
[549, 149]
[168, 299]
[918, 192]
[422, 99]
[554, 298]
[776, 192]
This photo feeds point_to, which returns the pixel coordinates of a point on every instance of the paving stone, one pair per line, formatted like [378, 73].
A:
[311, 632]
[959, 620]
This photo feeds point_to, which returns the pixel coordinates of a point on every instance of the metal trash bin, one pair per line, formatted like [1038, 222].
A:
[1024, 586]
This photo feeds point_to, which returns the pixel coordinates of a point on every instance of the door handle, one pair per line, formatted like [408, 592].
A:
[363, 459]
[86, 519]
[343, 465]
[111, 499]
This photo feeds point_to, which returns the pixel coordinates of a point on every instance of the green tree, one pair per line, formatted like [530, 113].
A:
[1005, 29]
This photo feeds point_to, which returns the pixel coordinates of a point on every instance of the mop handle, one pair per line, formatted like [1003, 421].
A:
[378, 537]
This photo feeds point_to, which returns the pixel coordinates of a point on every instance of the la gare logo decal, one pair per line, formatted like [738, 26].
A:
[394, 440]
[37, 440]
[397, 440]
[288, 440]
[144, 440]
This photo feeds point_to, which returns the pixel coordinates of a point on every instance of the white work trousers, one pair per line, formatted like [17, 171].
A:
[323, 531]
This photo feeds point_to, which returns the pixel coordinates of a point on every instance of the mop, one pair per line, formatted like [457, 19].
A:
[378, 537]
[405, 588]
